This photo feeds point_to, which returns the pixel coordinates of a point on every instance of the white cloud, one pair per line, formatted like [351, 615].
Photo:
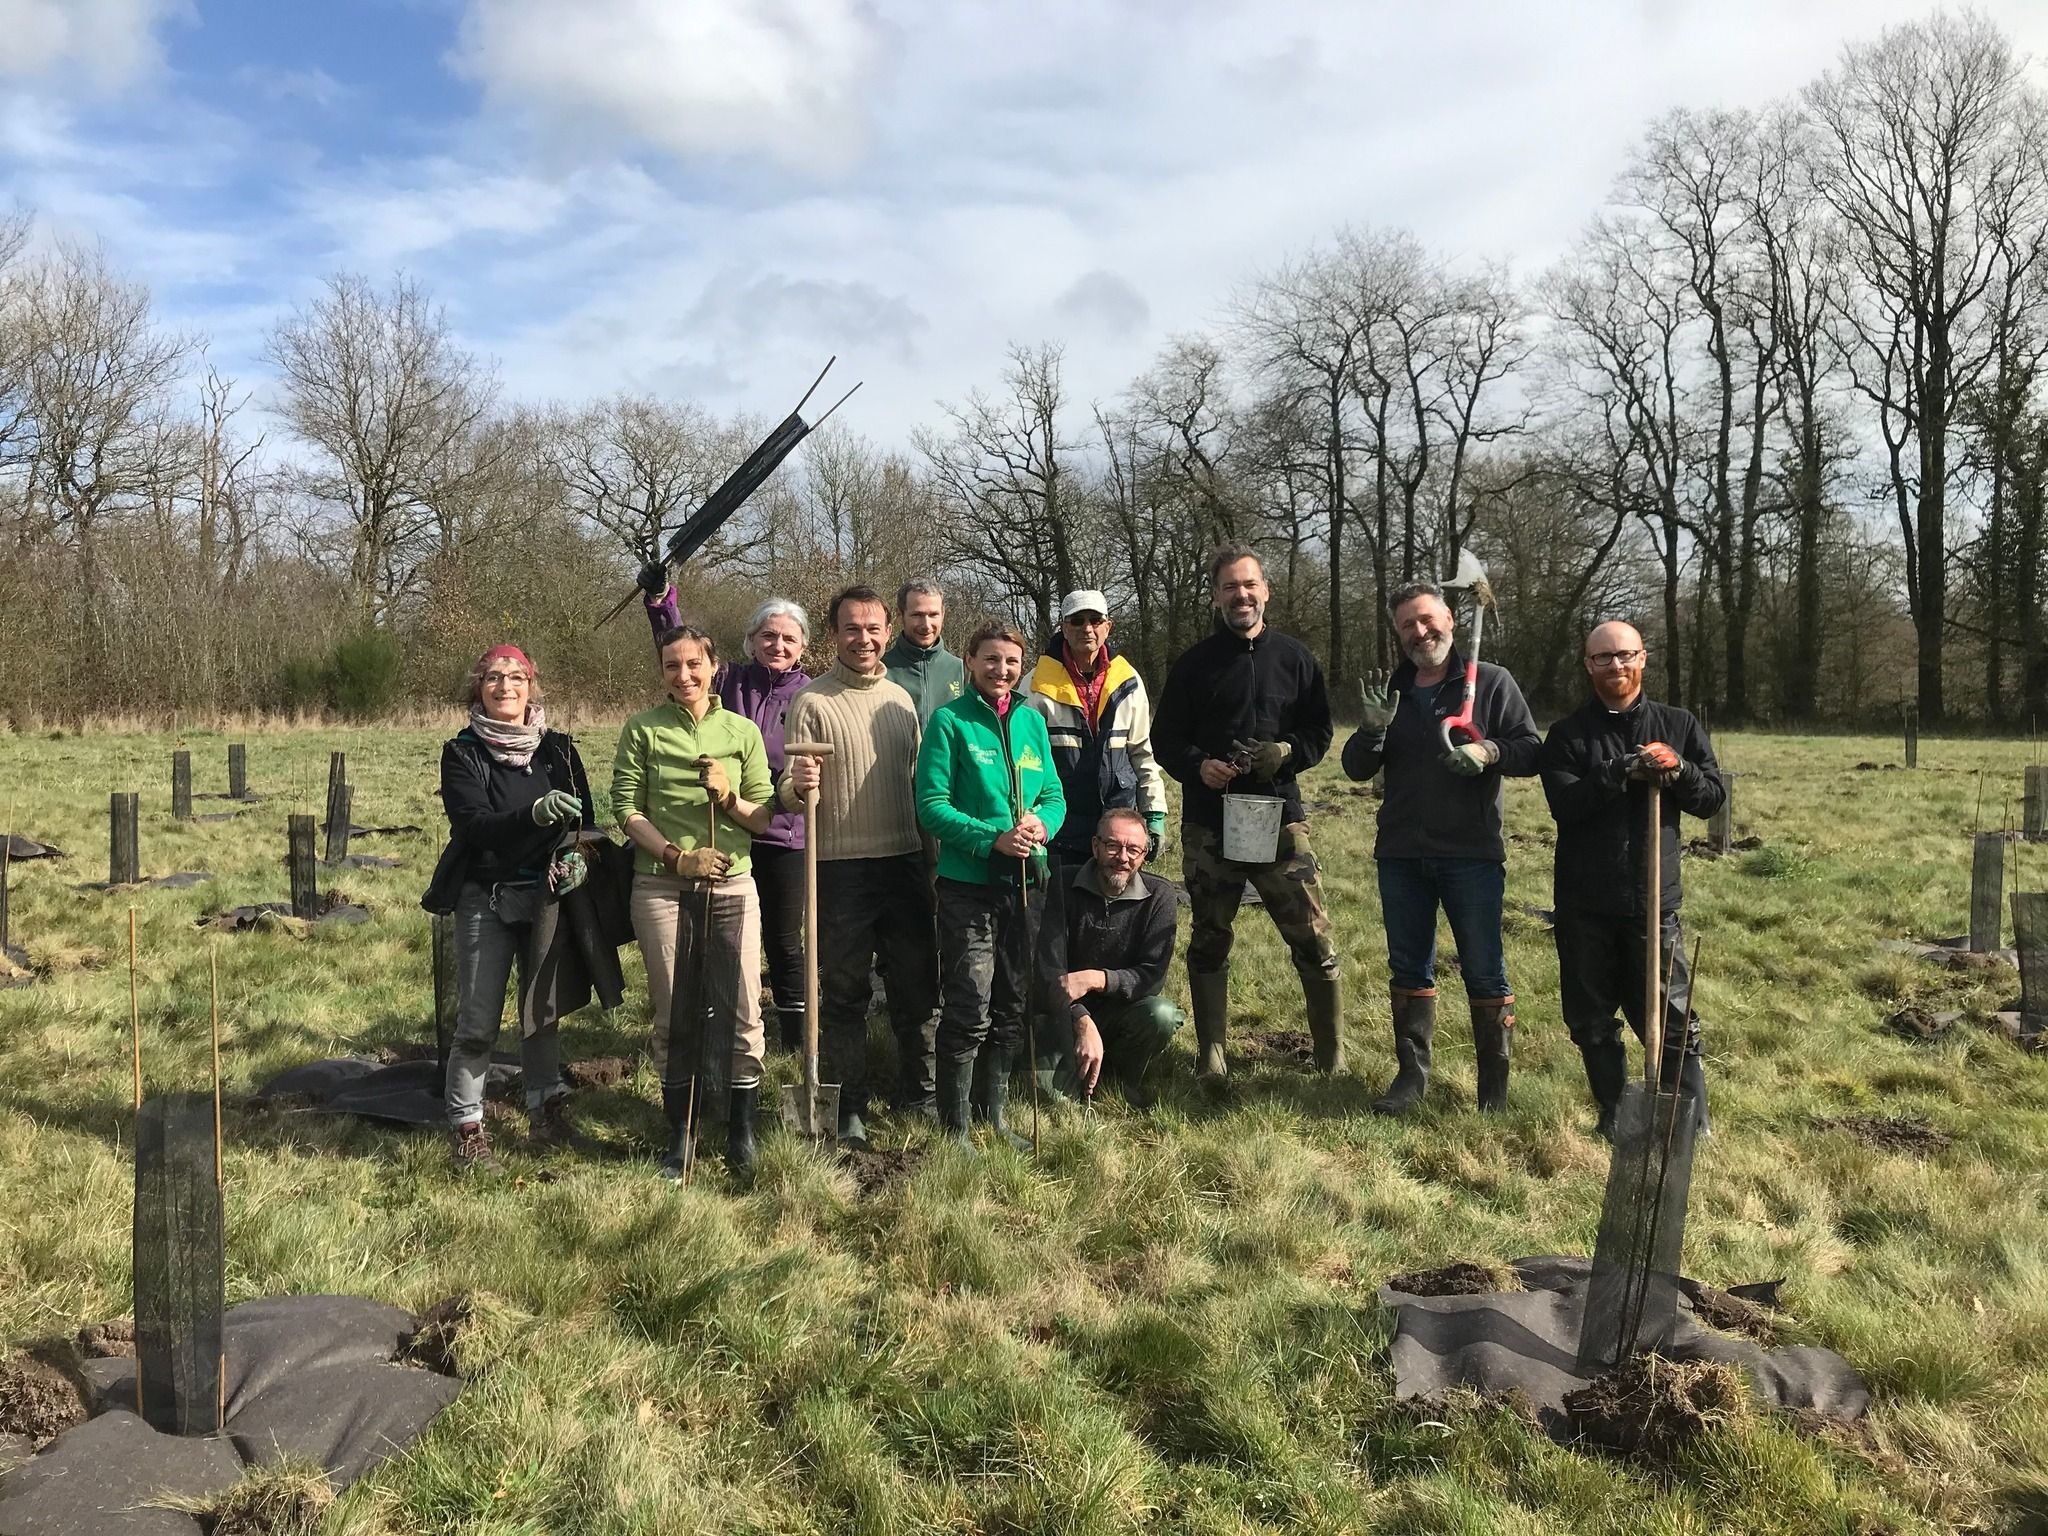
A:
[109, 42]
[784, 79]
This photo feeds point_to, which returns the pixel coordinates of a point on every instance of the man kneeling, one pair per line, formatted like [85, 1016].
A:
[1108, 960]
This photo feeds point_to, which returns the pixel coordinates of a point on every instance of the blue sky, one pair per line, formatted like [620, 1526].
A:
[704, 200]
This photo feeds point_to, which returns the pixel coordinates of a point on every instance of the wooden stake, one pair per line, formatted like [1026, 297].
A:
[1987, 879]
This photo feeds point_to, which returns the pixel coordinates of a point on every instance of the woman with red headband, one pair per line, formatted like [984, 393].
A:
[515, 793]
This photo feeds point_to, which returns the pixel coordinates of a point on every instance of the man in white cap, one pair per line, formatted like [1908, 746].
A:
[1100, 722]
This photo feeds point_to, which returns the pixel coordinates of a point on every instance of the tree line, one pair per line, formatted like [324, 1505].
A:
[1780, 404]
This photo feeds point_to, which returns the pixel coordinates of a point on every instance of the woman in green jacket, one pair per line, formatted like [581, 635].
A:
[987, 791]
[690, 787]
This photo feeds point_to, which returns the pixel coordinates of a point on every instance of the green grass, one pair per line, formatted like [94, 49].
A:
[1169, 1323]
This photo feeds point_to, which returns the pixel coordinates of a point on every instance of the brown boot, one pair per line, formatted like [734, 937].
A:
[1209, 991]
[1493, 1028]
[551, 1124]
[470, 1145]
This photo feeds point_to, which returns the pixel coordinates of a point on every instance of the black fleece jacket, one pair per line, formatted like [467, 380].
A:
[1600, 812]
[1225, 687]
[1430, 812]
[491, 832]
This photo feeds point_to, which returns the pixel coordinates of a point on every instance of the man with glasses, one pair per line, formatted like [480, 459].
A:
[1108, 954]
[1597, 765]
[1100, 722]
[1439, 843]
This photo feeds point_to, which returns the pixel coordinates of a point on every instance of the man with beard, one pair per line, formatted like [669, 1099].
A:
[1597, 765]
[1108, 959]
[874, 894]
[1439, 841]
[1243, 711]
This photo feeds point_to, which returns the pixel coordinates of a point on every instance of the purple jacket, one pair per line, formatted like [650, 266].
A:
[761, 696]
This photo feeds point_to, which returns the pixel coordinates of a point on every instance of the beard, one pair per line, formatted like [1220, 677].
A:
[1242, 619]
[1430, 653]
[1114, 881]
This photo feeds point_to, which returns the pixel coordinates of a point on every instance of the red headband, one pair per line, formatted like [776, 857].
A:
[505, 653]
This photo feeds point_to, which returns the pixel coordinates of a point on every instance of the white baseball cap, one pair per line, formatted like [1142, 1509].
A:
[1086, 600]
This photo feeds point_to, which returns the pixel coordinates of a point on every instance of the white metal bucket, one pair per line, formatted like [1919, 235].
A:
[1251, 828]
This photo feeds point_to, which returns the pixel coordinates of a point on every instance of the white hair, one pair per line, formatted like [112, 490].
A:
[780, 608]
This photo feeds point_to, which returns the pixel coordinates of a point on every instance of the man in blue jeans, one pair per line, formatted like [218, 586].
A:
[1439, 839]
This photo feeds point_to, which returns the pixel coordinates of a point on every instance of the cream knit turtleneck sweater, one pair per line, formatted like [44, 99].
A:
[867, 808]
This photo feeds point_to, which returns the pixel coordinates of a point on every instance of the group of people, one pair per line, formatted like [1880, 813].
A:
[982, 844]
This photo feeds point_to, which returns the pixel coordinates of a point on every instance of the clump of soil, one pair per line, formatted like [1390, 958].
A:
[1894, 1133]
[876, 1168]
[111, 1340]
[432, 1343]
[38, 1401]
[405, 1050]
[270, 1506]
[597, 1072]
[1282, 1045]
[1877, 767]
[1970, 960]
[1652, 1408]
[1463, 1278]
[1913, 1022]
[1727, 1311]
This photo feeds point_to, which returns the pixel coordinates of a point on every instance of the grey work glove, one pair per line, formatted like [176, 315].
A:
[1470, 759]
[1378, 699]
[1262, 759]
[556, 807]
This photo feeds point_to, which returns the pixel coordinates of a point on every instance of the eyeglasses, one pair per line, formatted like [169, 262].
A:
[494, 679]
[1128, 850]
[1604, 659]
[1084, 621]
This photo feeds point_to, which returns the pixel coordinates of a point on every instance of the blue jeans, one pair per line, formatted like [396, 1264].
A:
[1469, 891]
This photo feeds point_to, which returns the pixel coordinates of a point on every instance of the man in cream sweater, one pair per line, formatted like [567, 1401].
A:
[874, 898]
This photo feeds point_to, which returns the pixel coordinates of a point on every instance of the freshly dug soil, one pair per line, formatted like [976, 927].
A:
[1290, 1045]
[111, 1340]
[875, 1169]
[597, 1072]
[432, 1343]
[37, 1400]
[1894, 1133]
[260, 1508]
[1651, 1408]
[1970, 960]
[1913, 1022]
[1463, 1278]
[1727, 1311]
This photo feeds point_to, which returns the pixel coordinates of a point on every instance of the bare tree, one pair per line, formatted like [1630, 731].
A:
[377, 386]
[1933, 153]
[635, 467]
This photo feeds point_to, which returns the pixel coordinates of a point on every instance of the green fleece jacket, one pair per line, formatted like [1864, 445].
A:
[965, 797]
[931, 677]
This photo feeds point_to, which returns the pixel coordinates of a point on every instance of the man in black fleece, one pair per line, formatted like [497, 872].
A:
[1596, 765]
[1439, 839]
[1243, 711]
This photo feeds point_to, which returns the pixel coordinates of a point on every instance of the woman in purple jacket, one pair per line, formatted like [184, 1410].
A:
[761, 689]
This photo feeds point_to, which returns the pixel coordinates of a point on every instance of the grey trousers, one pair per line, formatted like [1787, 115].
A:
[494, 930]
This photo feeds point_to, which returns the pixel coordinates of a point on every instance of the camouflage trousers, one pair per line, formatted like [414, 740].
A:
[1289, 887]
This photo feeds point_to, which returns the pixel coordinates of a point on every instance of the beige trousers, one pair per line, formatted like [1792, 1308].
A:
[732, 974]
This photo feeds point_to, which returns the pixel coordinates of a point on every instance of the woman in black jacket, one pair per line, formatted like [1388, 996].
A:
[515, 793]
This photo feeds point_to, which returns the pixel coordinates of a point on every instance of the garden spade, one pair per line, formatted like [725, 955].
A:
[1632, 1294]
[1470, 576]
[810, 1109]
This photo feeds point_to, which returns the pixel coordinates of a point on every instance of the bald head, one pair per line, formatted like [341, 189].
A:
[1614, 658]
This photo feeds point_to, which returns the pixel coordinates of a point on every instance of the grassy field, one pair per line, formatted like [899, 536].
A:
[1168, 1324]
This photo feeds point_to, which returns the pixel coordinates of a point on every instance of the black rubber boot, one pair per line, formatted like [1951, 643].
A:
[1693, 1076]
[1606, 1075]
[1414, 1029]
[739, 1133]
[790, 1030]
[1325, 998]
[1209, 993]
[999, 1060]
[1493, 1028]
[956, 1082]
[682, 1132]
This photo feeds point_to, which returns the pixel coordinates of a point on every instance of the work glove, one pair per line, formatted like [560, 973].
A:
[567, 872]
[701, 863]
[653, 579]
[1378, 699]
[711, 774]
[1655, 763]
[1262, 759]
[1155, 835]
[1471, 759]
[556, 807]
